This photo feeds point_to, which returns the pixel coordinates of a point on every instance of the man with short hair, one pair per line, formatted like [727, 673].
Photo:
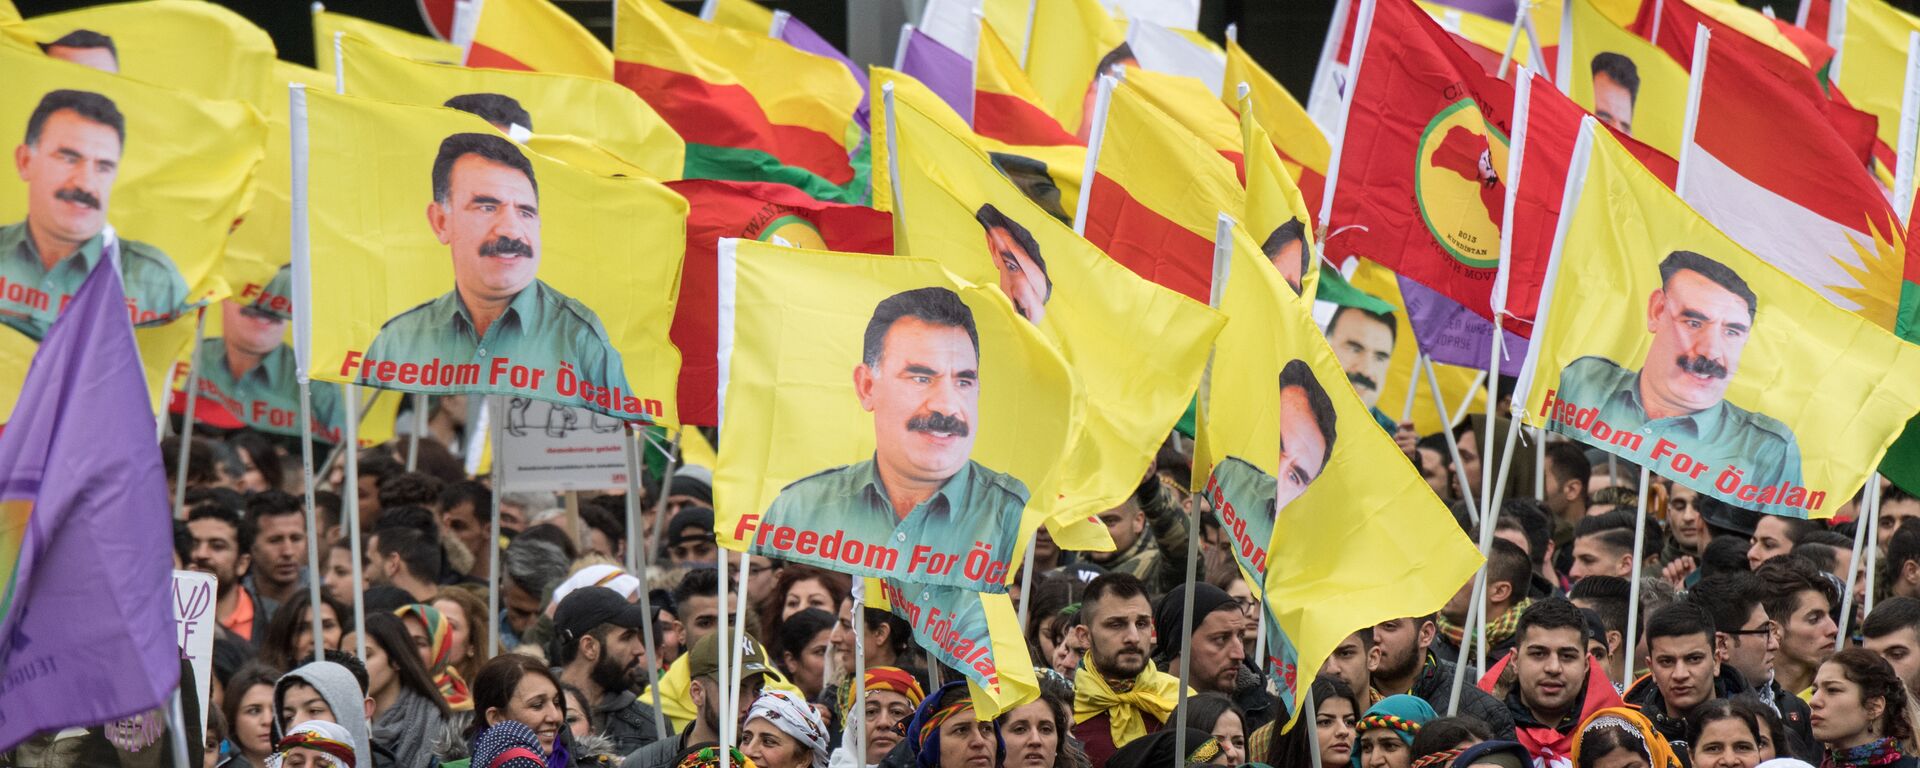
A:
[1896, 508]
[466, 514]
[697, 602]
[1684, 667]
[1603, 546]
[86, 48]
[405, 558]
[1800, 601]
[1608, 597]
[1526, 523]
[606, 528]
[1556, 685]
[703, 670]
[1776, 535]
[279, 568]
[689, 538]
[1893, 631]
[1903, 561]
[69, 161]
[1118, 695]
[531, 569]
[1363, 341]
[1616, 86]
[223, 546]
[1567, 473]
[411, 489]
[1159, 560]
[1350, 661]
[1748, 642]
[1402, 663]
[1509, 573]
[599, 650]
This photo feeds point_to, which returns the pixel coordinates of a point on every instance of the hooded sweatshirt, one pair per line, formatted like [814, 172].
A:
[342, 694]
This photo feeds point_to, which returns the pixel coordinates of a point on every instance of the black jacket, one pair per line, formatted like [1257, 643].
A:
[1645, 696]
[626, 721]
[1435, 686]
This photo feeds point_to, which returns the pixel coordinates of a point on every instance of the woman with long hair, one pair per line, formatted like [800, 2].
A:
[1621, 737]
[1724, 736]
[289, 641]
[800, 645]
[466, 615]
[1226, 721]
[517, 705]
[432, 636]
[1771, 732]
[1336, 713]
[1037, 734]
[799, 587]
[1862, 713]
[408, 712]
[248, 707]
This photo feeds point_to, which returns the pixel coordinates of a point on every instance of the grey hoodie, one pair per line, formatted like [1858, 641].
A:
[342, 694]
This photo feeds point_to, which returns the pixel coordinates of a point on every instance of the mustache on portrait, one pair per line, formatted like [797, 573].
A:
[504, 245]
[1701, 366]
[1363, 380]
[77, 195]
[938, 422]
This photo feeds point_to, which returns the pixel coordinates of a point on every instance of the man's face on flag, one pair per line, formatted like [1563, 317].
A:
[1364, 346]
[248, 330]
[491, 221]
[1699, 330]
[1289, 260]
[1612, 103]
[69, 173]
[1020, 276]
[1303, 448]
[924, 395]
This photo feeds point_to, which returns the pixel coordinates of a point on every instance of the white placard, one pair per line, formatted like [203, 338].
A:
[194, 595]
[546, 446]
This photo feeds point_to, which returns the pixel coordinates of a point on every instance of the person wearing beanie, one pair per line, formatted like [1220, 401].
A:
[945, 732]
[324, 690]
[1493, 754]
[892, 694]
[1387, 731]
[692, 487]
[688, 539]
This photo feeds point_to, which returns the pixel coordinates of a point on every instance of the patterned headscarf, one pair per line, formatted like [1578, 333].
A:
[507, 744]
[1402, 713]
[892, 679]
[923, 731]
[794, 718]
[440, 639]
[333, 743]
[709, 757]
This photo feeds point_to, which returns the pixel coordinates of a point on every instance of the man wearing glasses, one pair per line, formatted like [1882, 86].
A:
[1750, 640]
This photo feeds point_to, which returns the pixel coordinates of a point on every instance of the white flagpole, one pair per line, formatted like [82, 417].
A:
[1871, 501]
[1222, 271]
[1321, 88]
[1633, 592]
[350, 440]
[857, 714]
[496, 428]
[299, 248]
[1836, 36]
[419, 426]
[1453, 445]
[900, 46]
[1095, 137]
[1026, 41]
[1413, 387]
[1853, 564]
[737, 650]
[1909, 131]
[1563, 65]
[1696, 82]
[186, 419]
[637, 565]
[1513, 39]
[729, 692]
[1360, 34]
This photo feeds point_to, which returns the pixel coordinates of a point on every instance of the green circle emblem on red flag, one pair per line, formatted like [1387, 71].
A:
[1458, 186]
[793, 232]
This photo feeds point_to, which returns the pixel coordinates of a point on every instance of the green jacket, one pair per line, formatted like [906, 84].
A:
[31, 295]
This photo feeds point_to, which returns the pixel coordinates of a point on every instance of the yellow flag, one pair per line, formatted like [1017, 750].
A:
[971, 412]
[1665, 343]
[744, 15]
[8, 12]
[1873, 61]
[1192, 104]
[258, 247]
[398, 42]
[980, 226]
[196, 47]
[597, 109]
[1456, 383]
[1323, 511]
[1603, 54]
[1275, 210]
[535, 35]
[446, 259]
[1080, 40]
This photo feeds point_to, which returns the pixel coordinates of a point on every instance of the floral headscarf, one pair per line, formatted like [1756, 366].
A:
[440, 638]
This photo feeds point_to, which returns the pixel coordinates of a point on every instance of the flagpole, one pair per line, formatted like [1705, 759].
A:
[1533, 42]
[495, 428]
[1909, 128]
[666, 490]
[728, 691]
[1222, 271]
[1466, 401]
[900, 46]
[1413, 387]
[186, 419]
[1513, 40]
[1659, 10]
[1026, 45]
[1317, 90]
[419, 425]
[1696, 82]
[973, 62]
[893, 153]
[299, 254]
[637, 565]
[1836, 36]
[350, 438]
[1860, 527]
[1096, 135]
[1026, 575]
[1360, 34]
[1453, 445]
[858, 712]
[1872, 521]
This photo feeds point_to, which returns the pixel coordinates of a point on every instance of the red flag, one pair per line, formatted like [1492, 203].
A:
[754, 211]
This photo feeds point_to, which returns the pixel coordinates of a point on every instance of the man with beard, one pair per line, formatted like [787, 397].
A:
[1118, 695]
[223, 546]
[69, 161]
[1362, 341]
[486, 210]
[1701, 318]
[1401, 663]
[599, 648]
[921, 493]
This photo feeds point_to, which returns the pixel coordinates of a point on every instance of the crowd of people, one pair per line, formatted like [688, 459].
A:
[1734, 665]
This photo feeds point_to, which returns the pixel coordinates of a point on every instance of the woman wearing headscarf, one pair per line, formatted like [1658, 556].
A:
[507, 744]
[1621, 737]
[1494, 754]
[425, 622]
[945, 733]
[1387, 731]
[892, 694]
[314, 744]
[782, 731]
[1156, 750]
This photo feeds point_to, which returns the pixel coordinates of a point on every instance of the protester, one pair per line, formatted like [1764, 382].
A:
[1607, 597]
[325, 690]
[432, 636]
[1161, 748]
[1749, 641]
[408, 713]
[1800, 601]
[1159, 561]
[289, 640]
[1686, 669]
[1862, 713]
[891, 696]
[1555, 685]
[598, 648]
[800, 643]
[314, 744]
[703, 690]
[466, 615]
[1214, 648]
[516, 705]
[1402, 663]
[1350, 663]
[1443, 738]
[1336, 716]
[1509, 577]
[1620, 737]
[1388, 728]
[1893, 631]
[782, 731]
[1723, 736]
[279, 552]
[1217, 715]
[944, 733]
[1036, 733]
[799, 587]
[1776, 535]
[249, 711]
[1119, 695]
[223, 546]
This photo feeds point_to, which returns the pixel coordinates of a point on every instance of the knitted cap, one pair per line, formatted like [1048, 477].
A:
[1402, 713]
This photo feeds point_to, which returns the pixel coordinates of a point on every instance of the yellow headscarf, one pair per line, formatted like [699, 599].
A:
[1659, 752]
[1154, 692]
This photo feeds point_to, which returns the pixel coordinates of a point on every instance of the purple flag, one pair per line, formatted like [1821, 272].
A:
[945, 71]
[86, 628]
[1502, 10]
[796, 33]
[1450, 333]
